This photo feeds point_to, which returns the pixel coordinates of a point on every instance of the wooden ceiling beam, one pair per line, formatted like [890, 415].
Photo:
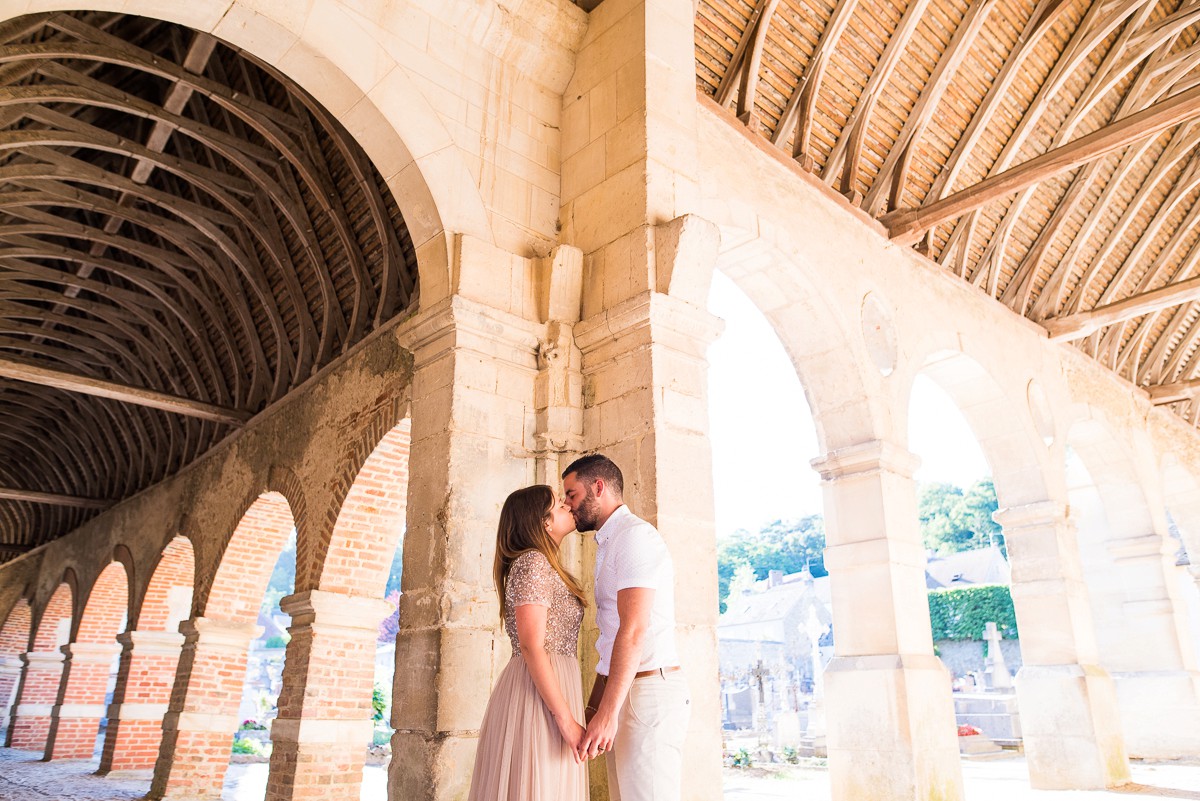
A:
[1173, 393]
[905, 226]
[22, 371]
[51, 499]
[1079, 325]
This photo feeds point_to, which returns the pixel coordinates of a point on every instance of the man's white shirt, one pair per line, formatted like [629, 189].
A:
[631, 553]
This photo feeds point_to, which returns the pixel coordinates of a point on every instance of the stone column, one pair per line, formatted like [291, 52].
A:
[472, 443]
[202, 716]
[35, 700]
[890, 714]
[75, 719]
[645, 406]
[1068, 703]
[10, 676]
[323, 728]
[1158, 686]
[149, 660]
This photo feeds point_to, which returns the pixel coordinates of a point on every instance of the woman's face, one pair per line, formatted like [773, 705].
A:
[561, 522]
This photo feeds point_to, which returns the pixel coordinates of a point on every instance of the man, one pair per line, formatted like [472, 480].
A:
[639, 708]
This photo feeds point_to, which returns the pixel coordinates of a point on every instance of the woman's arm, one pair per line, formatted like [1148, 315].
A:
[531, 631]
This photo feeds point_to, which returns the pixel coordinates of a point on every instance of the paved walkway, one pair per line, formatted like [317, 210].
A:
[24, 777]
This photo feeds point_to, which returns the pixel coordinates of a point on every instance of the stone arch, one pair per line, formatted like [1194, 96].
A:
[845, 407]
[369, 521]
[1181, 494]
[363, 85]
[1139, 631]
[50, 630]
[1006, 435]
[245, 565]
[173, 578]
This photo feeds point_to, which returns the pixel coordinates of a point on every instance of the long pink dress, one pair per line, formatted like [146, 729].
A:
[521, 755]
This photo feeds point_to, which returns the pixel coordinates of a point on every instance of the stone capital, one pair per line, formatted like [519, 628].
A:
[856, 461]
[650, 317]
[219, 633]
[10, 665]
[1143, 546]
[459, 322]
[91, 653]
[43, 659]
[152, 643]
[85, 711]
[137, 711]
[335, 609]
[1040, 515]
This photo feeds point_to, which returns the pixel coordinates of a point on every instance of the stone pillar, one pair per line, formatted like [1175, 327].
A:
[890, 714]
[645, 406]
[472, 443]
[1158, 685]
[323, 728]
[10, 677]
[202, 716]
[149, 660]
[75, 719]
[35, 700]
[1068, 703]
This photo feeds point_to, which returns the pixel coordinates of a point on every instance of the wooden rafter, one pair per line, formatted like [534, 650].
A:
[52, 499]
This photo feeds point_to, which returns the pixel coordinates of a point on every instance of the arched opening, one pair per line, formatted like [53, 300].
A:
[89, 672]
[976, 457]
[770, 540]
[1128, 565]
[14, 641]
[148, 662]
[200, 727]
[341, 656]
[40, 680]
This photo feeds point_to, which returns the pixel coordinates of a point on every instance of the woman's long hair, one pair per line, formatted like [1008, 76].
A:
[523, 528]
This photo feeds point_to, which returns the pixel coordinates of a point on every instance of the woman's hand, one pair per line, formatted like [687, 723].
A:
[571, 733]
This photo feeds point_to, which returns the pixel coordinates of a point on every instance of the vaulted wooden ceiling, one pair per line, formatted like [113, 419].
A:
[185, 237]
[1044, 152]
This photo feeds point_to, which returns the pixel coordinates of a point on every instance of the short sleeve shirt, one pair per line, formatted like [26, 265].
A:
[631, 553]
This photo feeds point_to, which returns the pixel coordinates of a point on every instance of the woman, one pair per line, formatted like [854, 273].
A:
[531, 728]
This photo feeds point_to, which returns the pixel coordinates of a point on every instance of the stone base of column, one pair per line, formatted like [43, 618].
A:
[1160, 713]
[1071, 731]
[891, 730]
[448, 759]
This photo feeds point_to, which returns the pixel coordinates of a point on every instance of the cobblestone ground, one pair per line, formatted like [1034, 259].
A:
[24, 777]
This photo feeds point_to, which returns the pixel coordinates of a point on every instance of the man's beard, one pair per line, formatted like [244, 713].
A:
[588, 513]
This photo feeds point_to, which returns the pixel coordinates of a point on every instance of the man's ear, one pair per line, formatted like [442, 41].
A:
[600, 487]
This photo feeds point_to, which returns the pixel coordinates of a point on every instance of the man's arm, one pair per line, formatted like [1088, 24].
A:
[633, 610]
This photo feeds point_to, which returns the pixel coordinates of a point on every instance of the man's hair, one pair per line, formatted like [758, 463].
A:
[597, 466]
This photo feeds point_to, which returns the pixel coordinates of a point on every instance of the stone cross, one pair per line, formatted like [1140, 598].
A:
[997, 670]
[760, 674]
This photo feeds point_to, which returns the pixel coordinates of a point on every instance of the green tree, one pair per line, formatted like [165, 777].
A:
[786, 545]
[953, 520]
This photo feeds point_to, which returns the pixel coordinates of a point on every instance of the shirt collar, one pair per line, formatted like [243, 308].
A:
[612, 525]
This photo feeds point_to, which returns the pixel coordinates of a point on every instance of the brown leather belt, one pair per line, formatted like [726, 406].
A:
[641, 674]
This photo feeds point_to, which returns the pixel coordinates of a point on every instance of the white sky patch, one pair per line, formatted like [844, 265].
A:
[762, 430]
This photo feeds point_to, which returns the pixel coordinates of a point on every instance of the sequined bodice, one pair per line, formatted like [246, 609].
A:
[531, 580]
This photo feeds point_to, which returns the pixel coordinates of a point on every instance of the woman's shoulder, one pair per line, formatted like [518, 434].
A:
[533, 561]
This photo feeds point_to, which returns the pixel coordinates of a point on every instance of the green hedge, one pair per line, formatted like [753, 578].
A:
[961, 614]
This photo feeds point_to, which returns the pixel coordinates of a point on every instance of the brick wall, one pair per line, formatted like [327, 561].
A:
[41, 679]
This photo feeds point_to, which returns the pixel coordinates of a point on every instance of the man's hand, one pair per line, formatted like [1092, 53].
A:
[599, 735]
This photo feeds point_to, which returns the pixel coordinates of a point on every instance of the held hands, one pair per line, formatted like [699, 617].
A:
[601, 729]
[572, 733]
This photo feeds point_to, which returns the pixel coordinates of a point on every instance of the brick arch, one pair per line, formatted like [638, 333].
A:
[14, 634]
[104, 611]
[248, 559]
[60, 607]
[176, 568]
[369, 522]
